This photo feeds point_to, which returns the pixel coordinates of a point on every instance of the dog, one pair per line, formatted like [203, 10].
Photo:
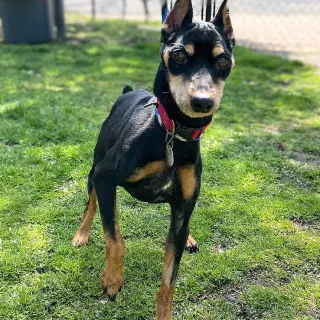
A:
[150, 145]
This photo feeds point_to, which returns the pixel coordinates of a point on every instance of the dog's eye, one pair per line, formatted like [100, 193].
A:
[180, 57]
[223, 63]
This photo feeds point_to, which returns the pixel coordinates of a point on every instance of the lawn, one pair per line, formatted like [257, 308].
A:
[257, 219]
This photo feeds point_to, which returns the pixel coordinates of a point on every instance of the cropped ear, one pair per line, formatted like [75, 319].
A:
[180, 14]
[222, 22]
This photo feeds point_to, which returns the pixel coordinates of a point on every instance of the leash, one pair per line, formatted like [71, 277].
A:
[165, 10]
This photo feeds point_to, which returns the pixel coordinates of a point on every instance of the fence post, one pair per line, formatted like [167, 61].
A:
[93, 9]
[59, 19]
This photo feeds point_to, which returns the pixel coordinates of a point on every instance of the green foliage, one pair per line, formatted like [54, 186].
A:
[257, 218]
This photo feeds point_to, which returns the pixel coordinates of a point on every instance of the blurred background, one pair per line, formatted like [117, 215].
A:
[289, 28]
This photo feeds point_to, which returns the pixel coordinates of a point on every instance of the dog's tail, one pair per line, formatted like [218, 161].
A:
[126, 89]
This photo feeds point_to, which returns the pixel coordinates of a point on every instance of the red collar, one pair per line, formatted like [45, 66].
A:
[180, 132]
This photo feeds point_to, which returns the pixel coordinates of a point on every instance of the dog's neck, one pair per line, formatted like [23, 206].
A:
[161, 90]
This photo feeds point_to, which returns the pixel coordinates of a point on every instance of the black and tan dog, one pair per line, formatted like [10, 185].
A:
[150, 145]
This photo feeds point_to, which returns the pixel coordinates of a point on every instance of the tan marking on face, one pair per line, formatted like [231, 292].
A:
[190, 49]
[166, 56]
[233, 63]
[188, 181]
[201, 84]
[150, 169]
[82, 235]
[112, 277]
[179, 91]
[165, 293]
[217, 50]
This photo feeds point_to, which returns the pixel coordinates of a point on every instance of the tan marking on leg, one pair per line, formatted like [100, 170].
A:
[164, 303]
[82, 235]
[148, 170]
[112, 277]
[168, 263]
[165, 293]
[190, 49]
[217, 50]
[188, 181]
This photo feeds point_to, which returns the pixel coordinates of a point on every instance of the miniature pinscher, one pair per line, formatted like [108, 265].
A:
[150, 145]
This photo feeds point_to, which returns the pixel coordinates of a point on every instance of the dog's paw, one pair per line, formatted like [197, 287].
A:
[80, 238]
[112, 283]
[192, 245]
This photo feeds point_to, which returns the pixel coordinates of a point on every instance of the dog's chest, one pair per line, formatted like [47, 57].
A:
[156, 187]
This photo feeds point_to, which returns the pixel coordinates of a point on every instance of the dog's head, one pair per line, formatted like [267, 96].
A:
[198, 58]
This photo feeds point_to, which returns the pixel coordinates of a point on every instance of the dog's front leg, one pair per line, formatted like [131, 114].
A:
[112, 277]
[176, 241]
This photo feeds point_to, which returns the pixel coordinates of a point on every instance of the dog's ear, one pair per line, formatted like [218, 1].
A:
[181, 13]
[223, 24]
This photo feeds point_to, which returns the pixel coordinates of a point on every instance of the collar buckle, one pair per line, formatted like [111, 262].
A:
[184, 132]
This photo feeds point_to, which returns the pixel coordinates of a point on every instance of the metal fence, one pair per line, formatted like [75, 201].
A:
[289, 27]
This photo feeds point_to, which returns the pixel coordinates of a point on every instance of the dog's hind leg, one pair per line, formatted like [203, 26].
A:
[112, 277]
[82, 235]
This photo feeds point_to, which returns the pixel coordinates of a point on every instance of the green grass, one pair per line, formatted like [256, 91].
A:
[257, 219]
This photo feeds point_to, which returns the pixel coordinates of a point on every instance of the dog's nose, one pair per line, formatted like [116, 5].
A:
[201, 104]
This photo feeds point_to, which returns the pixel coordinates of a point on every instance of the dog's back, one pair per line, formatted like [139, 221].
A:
[130, 121]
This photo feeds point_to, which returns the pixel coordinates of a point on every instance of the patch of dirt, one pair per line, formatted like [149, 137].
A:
[230, 293]
[305, 158]
[221, 241]
[261, 277]
[314, 313]
[219, 247]
[11, 143]
[305, 225]
[85, 40]
[272, 129]
[279, 146]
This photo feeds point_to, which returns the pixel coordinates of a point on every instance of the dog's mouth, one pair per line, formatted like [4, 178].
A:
[197, 106]
[196, 111]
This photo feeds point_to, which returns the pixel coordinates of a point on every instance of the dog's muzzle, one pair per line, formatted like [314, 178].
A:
[202, 104]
